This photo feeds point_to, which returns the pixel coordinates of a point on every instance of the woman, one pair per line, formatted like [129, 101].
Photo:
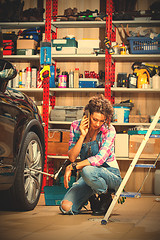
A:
[93, 140]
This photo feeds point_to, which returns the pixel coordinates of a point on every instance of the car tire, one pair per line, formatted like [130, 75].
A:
[25, 192]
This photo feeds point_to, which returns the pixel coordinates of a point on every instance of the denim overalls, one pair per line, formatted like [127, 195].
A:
[93, 179]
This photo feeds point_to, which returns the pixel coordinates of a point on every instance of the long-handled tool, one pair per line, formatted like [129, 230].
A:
[66, 162]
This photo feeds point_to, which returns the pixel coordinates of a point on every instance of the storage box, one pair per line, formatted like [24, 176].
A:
[122, 145]
[151, 149]
[144, 45]
[28, 52]
[64, 46]
[88, 43]
[139, 118]
[58, 141]
[66, 113]
[88, 82]
[63, 50]
[26, 44]
[54, 194]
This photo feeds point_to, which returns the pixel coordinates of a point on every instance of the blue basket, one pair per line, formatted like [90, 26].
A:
[144, 45]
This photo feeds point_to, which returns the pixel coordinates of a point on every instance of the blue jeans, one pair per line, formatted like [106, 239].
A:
[93, 180]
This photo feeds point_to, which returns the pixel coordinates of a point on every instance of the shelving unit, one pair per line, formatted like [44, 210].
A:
[119, 93]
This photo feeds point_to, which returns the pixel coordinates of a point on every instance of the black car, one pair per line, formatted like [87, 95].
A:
[22, 147]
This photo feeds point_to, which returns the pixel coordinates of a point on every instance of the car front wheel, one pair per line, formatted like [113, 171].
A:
[25, 192]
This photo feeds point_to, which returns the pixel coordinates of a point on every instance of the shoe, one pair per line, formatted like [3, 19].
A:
[104, 203]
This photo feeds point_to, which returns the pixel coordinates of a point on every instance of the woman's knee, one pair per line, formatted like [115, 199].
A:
[88, 172]
[66, 206]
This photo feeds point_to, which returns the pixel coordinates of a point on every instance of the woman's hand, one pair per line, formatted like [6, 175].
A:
[84, 126]
[67, 176]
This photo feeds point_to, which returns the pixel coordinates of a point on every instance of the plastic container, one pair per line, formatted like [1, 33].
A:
[144, 45]
[157, 182]
[52, 78]
[76, 78]
[121, 114]
[62, 81]
[156, 81]
[71, 79]
[54, 194]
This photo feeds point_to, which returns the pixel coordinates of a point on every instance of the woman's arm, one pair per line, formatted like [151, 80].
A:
[74, 151]
[69, 169]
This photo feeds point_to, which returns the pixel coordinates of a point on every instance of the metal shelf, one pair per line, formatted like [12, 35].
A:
[21, 57]
[76, 57]
[135, 23]
[21, 25]
[113, 123]
[79, 24]
[52, 90]
[134, 90]
[135, 57]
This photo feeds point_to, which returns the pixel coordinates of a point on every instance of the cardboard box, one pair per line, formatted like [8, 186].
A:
[88, 43]
[122, 145]
[26, 44]
[151, 149]
[58, 142]
[139, 118]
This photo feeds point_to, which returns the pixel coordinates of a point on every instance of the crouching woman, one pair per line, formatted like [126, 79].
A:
[92, 138]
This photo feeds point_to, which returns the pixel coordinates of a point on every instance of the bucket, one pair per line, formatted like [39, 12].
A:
[121, 114]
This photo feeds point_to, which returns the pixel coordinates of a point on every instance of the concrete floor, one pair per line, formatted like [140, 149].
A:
[136, 219]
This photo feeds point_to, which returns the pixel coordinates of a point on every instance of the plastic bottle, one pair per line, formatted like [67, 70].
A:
[52, 78]
[23, 78]
[71, 79]
[76, 78]
[156, 81]
[123, 49]
[20, 79]
[28, 77]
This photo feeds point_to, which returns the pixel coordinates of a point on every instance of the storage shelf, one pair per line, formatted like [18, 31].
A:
[134, 90]
[113, 123]
[79, 24]
[76, 90]
[135, 23]
[21, 57]
[76, 57]
[21, 25]
[136, 57]
[81, 90]
[30, 90]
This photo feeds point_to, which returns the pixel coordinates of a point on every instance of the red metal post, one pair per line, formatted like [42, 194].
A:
[108, 59]
[46, 87]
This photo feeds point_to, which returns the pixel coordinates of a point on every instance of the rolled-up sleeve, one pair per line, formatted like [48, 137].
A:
[74, 134]
[106, 151]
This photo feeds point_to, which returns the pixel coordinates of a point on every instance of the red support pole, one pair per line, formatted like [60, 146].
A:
[108, 59]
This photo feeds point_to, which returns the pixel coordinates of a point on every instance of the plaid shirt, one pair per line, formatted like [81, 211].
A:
[106, 143]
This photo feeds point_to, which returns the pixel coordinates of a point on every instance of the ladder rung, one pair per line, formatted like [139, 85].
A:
[130, 194]
[145, 165]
